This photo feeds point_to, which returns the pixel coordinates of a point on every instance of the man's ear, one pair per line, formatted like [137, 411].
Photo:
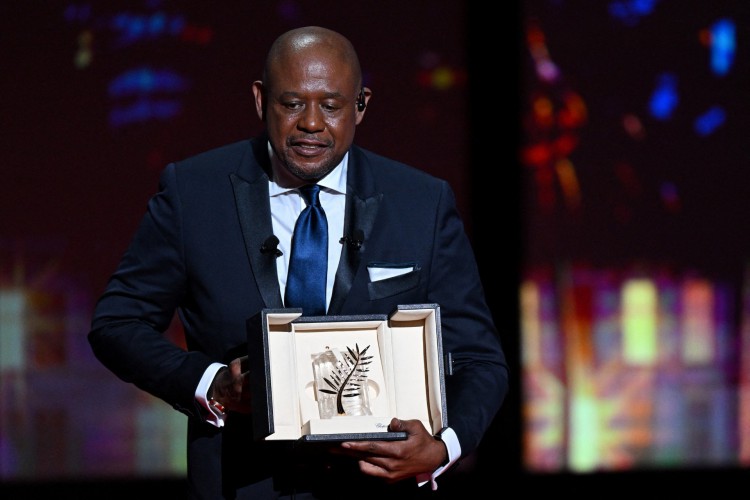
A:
[362, 100]
[260, 99]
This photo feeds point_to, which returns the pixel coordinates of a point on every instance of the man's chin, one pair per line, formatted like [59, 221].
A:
[310, 172]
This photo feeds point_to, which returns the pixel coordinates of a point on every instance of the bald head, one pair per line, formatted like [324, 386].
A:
[311, 42]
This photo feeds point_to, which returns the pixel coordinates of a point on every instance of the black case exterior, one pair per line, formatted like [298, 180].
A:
[259, 358]
[260, 372]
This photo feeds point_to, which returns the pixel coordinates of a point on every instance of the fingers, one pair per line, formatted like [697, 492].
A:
[396, 425]
[371, 469]
[244, 364]
[388, 448]
[236, 367]
[366, 448]
[239, 368]
[231, 386]
[411, 427]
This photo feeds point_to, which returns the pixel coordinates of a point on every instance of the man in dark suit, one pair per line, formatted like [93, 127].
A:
[214, 247]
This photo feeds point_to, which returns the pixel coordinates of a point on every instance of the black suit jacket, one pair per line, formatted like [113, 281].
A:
[197, 252]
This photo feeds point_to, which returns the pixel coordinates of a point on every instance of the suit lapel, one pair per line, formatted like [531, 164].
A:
[254, 212]
[361, 210]
[255, 221]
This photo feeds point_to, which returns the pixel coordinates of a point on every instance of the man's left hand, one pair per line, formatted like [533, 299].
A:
[394, 461]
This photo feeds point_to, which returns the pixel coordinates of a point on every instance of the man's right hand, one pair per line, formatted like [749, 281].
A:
[231, 386]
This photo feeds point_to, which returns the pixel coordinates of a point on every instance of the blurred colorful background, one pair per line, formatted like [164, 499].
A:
[635, 340]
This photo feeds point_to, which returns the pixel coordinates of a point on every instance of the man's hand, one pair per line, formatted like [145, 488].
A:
[231, 386]
[394, 461]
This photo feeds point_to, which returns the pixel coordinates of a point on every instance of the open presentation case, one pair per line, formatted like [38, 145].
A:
[342, 378]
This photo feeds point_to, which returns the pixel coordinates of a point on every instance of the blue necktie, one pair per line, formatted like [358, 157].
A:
[308, 263]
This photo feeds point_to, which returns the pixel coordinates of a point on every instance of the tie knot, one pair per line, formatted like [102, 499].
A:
[310, 194]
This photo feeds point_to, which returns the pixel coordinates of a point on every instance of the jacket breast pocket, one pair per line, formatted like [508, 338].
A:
[387, 280]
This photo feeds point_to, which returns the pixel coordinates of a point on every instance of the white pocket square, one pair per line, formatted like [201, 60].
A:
[379, 273]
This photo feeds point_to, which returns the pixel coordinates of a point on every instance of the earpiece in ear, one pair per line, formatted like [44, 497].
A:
[361, 104]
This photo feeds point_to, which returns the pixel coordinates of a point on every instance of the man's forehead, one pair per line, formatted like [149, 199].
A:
[313, 76]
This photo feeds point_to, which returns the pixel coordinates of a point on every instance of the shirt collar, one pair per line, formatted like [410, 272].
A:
[335, 180]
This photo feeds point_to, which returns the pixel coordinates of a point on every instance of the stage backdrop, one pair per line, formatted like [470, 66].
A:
[634, 291]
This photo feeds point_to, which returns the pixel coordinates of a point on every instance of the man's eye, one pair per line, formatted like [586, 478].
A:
[330, 107]
[292, 105]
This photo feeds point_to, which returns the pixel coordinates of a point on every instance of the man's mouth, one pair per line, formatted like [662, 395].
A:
[308, 148]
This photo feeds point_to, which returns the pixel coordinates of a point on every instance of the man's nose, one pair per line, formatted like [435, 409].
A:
[311, 119]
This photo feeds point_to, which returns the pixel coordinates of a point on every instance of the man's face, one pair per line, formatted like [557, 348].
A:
[309, 106]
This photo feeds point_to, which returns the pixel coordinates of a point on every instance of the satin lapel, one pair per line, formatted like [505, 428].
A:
[255, 220]
[360, 216]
